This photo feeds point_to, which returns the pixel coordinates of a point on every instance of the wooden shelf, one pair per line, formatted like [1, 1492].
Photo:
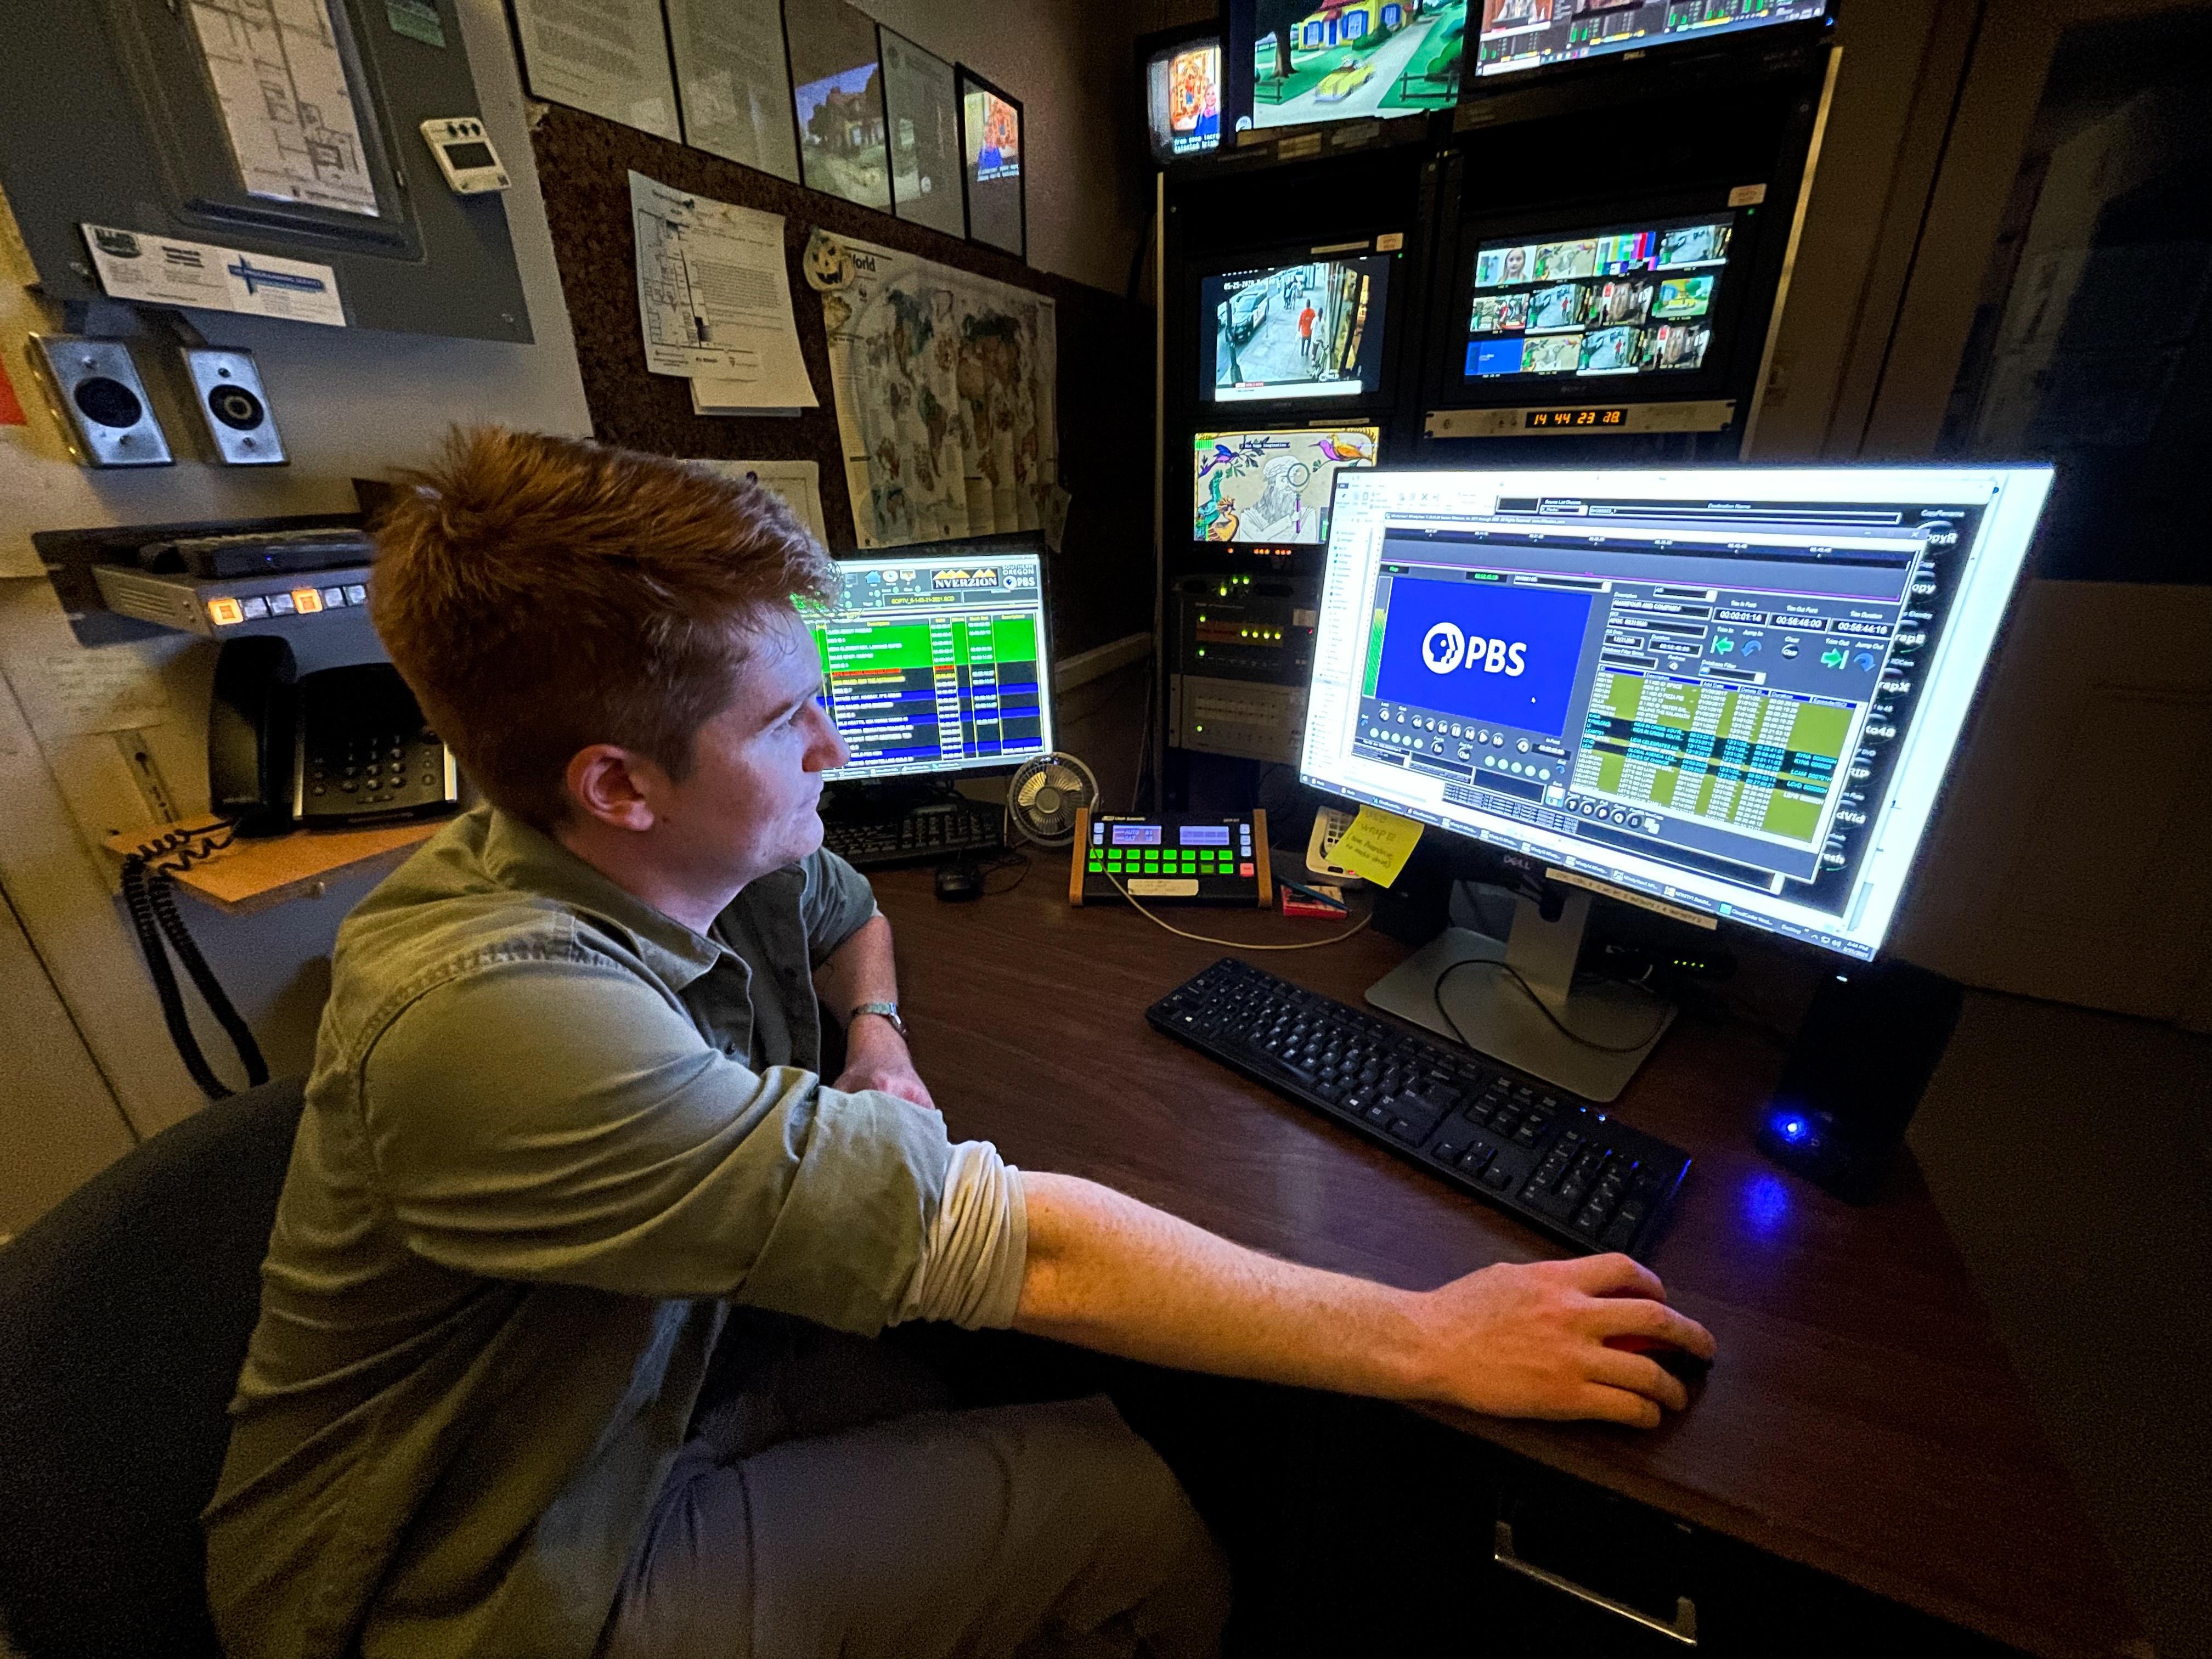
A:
[248, 876]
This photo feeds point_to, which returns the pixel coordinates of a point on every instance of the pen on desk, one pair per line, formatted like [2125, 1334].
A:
[1306, 892]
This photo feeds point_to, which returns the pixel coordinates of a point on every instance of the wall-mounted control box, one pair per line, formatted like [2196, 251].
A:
[93, 389]
[465, 155]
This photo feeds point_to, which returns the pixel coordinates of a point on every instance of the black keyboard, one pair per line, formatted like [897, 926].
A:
[1551, 1159]
[941, 829]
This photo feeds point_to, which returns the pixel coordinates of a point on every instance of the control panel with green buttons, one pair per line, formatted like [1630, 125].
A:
[1171, 860]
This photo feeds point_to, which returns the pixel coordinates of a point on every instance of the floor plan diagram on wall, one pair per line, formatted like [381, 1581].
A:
[944, 387]
[279, 80]
[714, 299]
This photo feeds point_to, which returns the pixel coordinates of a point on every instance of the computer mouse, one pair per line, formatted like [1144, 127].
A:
[959, 881]
[1680, 1362]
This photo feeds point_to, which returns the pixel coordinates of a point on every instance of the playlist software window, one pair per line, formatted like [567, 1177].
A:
[1720, 688]
[936, 664]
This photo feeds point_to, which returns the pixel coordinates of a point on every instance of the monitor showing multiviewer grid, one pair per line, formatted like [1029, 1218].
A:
[1736, 691]
[937, 664]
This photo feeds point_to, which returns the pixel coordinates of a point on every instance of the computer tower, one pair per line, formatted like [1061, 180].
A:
[1863, 1057]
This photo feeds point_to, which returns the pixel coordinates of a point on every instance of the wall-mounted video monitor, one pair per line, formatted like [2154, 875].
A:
[1292, 65]
[1525, 34]
[1625, 300]
[1183, 99]
[1287, 333]
[1272, 487]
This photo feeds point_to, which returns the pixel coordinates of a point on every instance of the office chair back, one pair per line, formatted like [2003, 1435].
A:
[125, 1313]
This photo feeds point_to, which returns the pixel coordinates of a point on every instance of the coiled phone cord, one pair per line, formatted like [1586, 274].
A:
[150, 895]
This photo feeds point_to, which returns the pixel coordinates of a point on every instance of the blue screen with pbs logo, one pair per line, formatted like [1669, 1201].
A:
[1482, 652]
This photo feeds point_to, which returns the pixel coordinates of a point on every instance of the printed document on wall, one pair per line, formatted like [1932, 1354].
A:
[945, 384]
[797, 484]
[280, 81]
[736, 87]
[714, 299]
[607, 58]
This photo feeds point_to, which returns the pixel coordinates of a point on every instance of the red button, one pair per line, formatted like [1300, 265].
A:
[1244, 870]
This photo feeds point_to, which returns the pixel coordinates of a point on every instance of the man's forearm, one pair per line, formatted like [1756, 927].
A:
[1106, 1272]
[861, 970]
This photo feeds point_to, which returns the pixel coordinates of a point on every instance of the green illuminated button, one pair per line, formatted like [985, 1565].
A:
[1098, 861]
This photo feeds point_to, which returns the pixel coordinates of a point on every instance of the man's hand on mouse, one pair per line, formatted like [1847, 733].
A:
[875, 1057]
[1531, 1341]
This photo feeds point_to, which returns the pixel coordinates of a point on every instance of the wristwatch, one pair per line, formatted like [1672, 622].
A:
[888, 1010]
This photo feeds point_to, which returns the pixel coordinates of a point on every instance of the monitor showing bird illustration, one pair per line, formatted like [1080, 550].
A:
[1272, 486]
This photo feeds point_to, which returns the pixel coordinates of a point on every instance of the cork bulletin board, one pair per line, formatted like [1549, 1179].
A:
[1100, 583]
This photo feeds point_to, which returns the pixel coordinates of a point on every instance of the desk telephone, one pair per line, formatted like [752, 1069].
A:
[337, 748]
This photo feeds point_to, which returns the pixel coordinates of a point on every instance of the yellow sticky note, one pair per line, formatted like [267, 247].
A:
[1377, 845]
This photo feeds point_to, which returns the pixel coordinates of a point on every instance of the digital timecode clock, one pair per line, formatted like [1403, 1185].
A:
[1549, 418]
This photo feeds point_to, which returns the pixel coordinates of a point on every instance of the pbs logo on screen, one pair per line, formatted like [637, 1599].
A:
[1445, 648]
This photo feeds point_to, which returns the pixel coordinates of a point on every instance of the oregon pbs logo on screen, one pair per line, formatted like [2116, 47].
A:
[1503, 654]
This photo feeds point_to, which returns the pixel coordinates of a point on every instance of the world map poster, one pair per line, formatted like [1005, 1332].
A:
[943, 386]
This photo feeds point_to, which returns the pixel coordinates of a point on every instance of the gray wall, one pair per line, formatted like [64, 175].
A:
[85, 1066]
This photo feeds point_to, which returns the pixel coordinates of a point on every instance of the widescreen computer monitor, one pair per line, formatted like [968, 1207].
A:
[1737, 691]
[936, 665]
[1525, 34]
[1304, 330]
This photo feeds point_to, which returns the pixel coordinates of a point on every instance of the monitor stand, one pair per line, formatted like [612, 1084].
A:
[1491, 1013]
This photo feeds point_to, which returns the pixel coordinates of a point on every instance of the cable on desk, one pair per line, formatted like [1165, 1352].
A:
[1010, 859]
[1542, 1007]
[1238, 944]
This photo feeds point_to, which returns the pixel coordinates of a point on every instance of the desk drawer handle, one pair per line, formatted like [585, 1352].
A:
[1683, 1630]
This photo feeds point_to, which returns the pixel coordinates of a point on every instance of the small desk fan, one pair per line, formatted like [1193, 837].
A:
[1044, 796]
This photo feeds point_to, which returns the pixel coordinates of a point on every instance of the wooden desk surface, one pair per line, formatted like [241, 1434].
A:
[1861, 1418]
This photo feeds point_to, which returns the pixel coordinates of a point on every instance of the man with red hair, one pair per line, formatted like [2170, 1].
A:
[565, 1337]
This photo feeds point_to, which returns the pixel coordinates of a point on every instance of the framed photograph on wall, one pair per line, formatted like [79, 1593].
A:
[924, 111]
[837, 91]
[991, 148]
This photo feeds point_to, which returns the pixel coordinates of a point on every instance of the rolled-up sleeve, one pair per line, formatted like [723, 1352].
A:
[560, 1119]
[835, 904]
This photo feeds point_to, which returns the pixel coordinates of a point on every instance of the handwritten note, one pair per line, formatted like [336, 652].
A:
[74, 692]
[1377, 845]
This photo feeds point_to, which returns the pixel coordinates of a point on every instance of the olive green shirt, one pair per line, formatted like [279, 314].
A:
[551, 1133]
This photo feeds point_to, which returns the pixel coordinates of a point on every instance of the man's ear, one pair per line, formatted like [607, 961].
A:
[613, 785]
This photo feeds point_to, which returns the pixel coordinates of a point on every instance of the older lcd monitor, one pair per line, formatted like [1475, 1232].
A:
[1633, 300]
[1525, 34]
[1308, 330]
[1183, 100]
[1272, 487]
[937, 664]
[1290, 64]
